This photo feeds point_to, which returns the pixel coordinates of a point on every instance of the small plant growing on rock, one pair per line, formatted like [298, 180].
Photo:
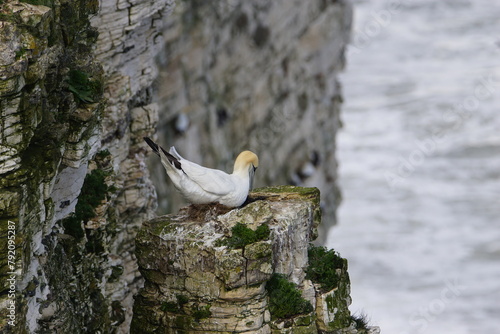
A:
[83, 88]
[242, 235]
[94, 190]
[360, 321]
[285, 300]
[201, 313]
[175, 307]
[323, 266]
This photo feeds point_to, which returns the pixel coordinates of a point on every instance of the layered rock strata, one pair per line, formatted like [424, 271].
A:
[75, 101]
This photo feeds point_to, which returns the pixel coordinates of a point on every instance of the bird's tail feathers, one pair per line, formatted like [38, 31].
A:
[152, 144]
[170, 157]
[174, 152]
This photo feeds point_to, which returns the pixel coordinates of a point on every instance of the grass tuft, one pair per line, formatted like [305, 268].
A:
[285, 300]
[242, 236]
[360, 320]
[323, 265]
[83, 88]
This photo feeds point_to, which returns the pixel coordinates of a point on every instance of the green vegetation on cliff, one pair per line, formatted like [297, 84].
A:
[84, 89]
[285, 300]
[242, 236]
[93, 192]
[323, 266]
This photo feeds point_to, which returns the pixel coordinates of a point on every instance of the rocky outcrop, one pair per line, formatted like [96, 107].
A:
[260, 76]
[214, 270]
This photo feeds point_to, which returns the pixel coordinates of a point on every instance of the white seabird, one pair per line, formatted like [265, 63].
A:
[201, 185]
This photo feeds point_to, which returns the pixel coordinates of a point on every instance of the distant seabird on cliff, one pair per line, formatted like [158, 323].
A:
[201, 185]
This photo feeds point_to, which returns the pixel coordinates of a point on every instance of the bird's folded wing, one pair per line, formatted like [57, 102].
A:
[211, 180]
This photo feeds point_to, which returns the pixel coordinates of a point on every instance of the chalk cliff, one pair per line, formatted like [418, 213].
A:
[75, 101]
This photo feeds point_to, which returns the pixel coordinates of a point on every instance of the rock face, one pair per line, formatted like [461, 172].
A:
[75, 101]
[202, 276]
[255, 75]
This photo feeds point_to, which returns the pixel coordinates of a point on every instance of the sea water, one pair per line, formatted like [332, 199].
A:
[419, 158]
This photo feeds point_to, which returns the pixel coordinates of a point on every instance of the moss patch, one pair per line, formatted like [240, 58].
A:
[303, 191]
[279, 193]
[323, 265]
[285, 300]
[175, 307]
[242, 236]
[84, 89]
[93, 192]
[170, 307]
[201, 312]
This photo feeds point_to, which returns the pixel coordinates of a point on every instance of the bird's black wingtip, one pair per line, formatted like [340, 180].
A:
[151, 144]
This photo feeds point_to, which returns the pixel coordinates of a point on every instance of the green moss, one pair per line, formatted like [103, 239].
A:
[175, 307]
[285, 300]
[323, 265]
[172, 307]
[308, 193]
[305, 191]
[182, 300]
[164, 226]
[304, 320]
[262, 232]
[330, 303]
[93, 191]
[102, 155]
[242, 236]
[201, 312]
[182, 322]
[257, 250]
[83, 88]
[72, 226]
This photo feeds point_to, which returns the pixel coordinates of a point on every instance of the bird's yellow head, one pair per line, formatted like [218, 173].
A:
[245, 165]
[245, 160]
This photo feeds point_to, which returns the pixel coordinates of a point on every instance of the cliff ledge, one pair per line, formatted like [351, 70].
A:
[248, 270]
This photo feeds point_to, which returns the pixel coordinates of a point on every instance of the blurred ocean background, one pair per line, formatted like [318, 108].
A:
[420, 166]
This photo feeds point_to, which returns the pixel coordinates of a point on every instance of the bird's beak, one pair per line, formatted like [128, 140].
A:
[251, 173]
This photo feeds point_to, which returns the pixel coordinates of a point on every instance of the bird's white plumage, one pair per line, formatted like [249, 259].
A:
[201, 185]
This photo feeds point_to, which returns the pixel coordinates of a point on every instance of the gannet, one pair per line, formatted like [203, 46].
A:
[202, 185]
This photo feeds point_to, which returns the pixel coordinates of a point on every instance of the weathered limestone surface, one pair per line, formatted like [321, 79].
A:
[75, 102]
[189, 269]
[259, 75]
